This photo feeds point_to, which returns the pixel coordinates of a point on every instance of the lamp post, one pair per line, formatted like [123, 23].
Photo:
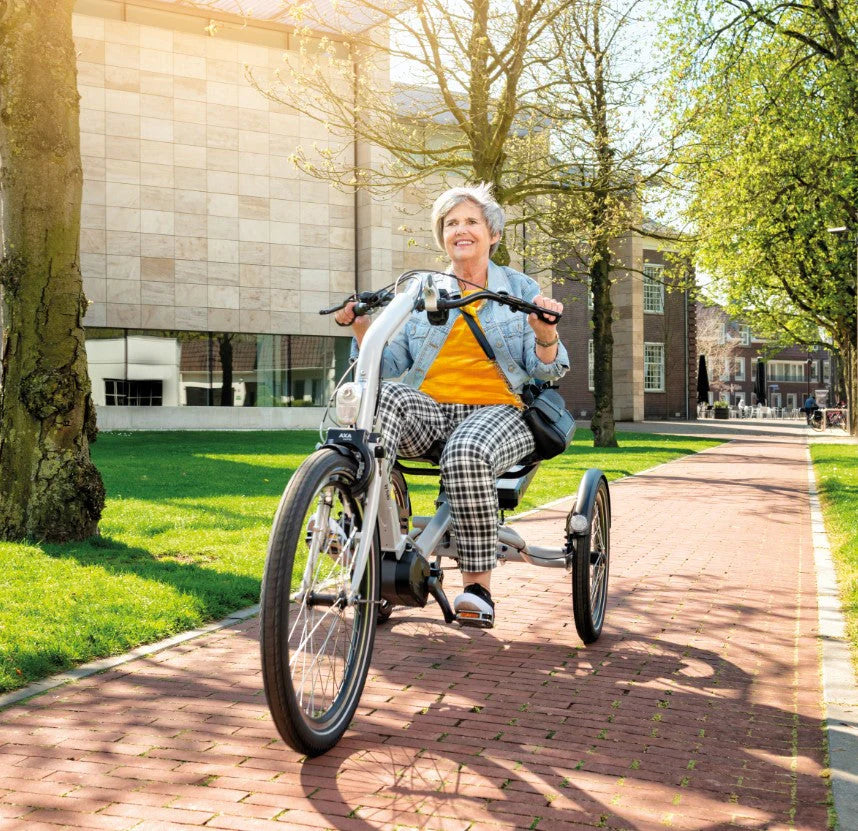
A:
[844, 230]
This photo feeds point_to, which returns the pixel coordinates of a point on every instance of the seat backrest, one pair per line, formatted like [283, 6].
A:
[513, 484]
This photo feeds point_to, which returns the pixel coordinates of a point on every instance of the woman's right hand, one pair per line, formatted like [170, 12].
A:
[346, 317]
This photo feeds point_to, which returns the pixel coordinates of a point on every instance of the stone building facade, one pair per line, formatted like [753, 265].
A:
[198, 233]
[206, 254]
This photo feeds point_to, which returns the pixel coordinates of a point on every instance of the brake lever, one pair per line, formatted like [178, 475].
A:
[366, 302]
[544, 315]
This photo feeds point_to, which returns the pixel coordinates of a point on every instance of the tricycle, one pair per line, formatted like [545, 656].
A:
[345, 550]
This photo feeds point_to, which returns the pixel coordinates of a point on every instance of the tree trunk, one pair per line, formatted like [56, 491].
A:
[850, 374]
[224, 342]
[50, 488]
[602, 423]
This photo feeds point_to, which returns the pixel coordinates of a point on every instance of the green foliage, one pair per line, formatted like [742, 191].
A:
[772, 162]
[183, 540]
[836, 467]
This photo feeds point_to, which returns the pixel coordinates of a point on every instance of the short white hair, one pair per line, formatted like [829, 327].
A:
[480, 194]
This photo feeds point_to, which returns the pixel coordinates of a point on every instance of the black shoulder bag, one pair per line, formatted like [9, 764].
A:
[546, 415]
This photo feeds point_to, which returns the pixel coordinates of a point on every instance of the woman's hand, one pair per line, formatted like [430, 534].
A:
[546, 332]
[346, 317]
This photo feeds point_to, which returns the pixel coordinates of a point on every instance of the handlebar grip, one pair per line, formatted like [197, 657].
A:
[548, 317]
[361, 309]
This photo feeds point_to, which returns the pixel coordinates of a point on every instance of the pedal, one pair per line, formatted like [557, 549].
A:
[471, 617]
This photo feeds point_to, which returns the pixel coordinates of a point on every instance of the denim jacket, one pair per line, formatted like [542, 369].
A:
[418, 342]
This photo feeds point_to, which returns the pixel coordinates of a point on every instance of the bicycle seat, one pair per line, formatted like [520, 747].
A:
[511, 484]
[432, 457]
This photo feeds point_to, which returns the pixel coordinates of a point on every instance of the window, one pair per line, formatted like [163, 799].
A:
[653, 367]
[739, 369]
[794, 371]
[725, 372]
[653, 286]
[591, 362]
[826, 372]
[814, 372]
[206, 369]
[745, 334]
[114, 392]
[118, 393]
[791, 401]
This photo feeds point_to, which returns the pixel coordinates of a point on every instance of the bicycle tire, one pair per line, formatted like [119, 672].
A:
[289, 620]
[590, 570]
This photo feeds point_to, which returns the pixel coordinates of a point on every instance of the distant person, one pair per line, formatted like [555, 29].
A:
[810, 407]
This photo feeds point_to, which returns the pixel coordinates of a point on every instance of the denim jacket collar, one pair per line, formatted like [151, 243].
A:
[498, 279]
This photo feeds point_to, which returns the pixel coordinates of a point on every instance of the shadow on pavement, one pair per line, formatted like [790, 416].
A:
[532, 730]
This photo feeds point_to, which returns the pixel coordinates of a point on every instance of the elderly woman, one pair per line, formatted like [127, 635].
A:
[452, 393]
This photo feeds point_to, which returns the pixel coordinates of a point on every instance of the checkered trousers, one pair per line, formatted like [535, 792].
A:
[482, 441]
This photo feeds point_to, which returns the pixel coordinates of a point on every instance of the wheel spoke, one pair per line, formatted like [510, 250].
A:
[322, 637]
[316, 637]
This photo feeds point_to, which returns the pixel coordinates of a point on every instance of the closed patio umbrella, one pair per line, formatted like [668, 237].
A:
[760, 383]
[702, 382]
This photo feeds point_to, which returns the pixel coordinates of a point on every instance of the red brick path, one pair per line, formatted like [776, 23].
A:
[699, 708]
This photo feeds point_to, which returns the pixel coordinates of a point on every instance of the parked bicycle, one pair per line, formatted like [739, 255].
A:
[344, 548]
[816, 419]
[823, 419]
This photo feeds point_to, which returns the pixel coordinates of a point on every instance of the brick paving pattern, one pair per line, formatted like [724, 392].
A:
[699, 708]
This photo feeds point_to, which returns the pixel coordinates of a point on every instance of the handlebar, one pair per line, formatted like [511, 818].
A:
[367, 301]
[505, 299]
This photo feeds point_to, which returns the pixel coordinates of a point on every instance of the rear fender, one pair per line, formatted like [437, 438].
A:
[585, 499]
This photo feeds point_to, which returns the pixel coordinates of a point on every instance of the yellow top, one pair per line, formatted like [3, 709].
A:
[462, 373]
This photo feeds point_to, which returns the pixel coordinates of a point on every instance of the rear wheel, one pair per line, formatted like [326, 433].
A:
[590, 567]
[316, 641]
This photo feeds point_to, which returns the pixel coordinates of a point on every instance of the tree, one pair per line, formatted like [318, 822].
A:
[718, 340]
[774, 165]
[498, 92]
[593, 83]
[50, 488]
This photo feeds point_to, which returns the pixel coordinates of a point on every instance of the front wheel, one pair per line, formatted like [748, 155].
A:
[316, 641]
[590, 565]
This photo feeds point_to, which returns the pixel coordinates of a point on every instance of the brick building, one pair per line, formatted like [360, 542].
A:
[655, 362]
[733, 354]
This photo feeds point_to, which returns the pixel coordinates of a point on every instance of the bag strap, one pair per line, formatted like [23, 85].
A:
[482, 340]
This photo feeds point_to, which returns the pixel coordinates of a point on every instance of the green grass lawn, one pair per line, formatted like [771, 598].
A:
[836, 467]
[183, 539]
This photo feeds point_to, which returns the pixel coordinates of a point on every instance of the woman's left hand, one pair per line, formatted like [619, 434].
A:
[545, 331]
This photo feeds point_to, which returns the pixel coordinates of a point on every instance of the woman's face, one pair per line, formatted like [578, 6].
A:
[467, 238]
